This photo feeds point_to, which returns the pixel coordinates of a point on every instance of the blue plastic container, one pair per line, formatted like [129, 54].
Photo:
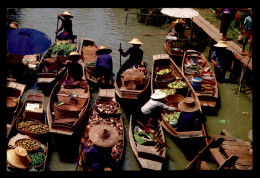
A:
[196, 83]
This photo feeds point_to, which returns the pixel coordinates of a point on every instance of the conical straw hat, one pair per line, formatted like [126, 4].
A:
[66, 13]
[135, 41]
[189, 105]
[221, 44]
[103, 135]
[158, 95]
[18, 158]
[103, 49]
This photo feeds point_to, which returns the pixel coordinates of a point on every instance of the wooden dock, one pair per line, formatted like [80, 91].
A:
[234, 146]
[214, 34]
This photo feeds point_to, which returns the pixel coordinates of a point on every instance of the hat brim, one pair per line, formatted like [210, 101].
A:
[133, 42]
[96, 131]
[187, 108]
[15, 160]
[75, 55]
[103, 51]
[158, 97]
[66, 15]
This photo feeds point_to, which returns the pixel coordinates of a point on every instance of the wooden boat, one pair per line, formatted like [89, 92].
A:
[150, 156]
[15, 91]
[64, 119]
[105, 97]
[130, 89]
[210, 158]
[161, 61]
[50, 68]
[37, 116]
[194, 64]
[175, 46]
[88, 49]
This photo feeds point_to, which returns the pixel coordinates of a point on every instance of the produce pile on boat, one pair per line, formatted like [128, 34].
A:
[63, 47]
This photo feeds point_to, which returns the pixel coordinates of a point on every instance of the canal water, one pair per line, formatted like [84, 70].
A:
[106, 26]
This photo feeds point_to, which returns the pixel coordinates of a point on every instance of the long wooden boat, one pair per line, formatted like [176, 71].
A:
[106, 97]
[194, 64]
[136, 92]
[174, 46]
[37, 116]
[50, 69]
[15, 91]
[64, 119]
[88, 49]
[211, 158]
[161, 61]
[150, 156]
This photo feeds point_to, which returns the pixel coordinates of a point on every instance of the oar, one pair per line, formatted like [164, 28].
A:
[57, 27]
[120, 54]
[147, 130]
[155, 34]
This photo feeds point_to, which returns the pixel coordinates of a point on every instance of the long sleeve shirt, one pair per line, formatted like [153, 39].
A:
[153, 106]
[104, 60]
[136, 55]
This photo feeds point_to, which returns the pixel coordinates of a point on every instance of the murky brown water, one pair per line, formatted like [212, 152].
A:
[107, 27]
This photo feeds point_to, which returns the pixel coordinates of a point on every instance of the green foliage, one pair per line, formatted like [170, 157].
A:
[63, 48]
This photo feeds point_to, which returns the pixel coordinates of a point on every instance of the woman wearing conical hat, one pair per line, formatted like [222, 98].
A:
[104, 64]
[66, 26]
[74, 78]
[136, 53]
[98, 155]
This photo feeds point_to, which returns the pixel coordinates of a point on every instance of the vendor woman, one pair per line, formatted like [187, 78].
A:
[136, 53]
[75, 72]
[152, 110]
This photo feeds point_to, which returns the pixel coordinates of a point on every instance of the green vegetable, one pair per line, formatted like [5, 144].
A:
[169, 91]
[59, 103]
[164, 71]
[172, 118]
[91, 63]
[177, 84]
[64, 49]
[37, 159]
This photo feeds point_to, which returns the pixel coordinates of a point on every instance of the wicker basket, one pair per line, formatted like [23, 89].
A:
[163, 83]
[41, 163]
[66, 110]
[24, 130]
[174, 99]
[163, 76]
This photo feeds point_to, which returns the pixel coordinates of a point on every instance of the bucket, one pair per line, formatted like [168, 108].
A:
[196, 83]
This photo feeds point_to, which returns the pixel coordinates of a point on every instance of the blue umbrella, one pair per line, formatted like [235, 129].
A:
[27, 41]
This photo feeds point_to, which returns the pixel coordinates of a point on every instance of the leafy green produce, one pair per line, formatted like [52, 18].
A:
[91, 63]
[164, 71]
[172, 117]
[171, 91]
[37, 159]
[64, 49]
[177, 85]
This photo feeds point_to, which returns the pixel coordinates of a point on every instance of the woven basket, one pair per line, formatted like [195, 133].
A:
[66, 110]
[24, 129]
[163, 83]
[174, 99]
[163, 76]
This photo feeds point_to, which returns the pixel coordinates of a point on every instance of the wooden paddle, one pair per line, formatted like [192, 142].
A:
[57, 27]
[120, 55]
[160, 141]
[155, 34]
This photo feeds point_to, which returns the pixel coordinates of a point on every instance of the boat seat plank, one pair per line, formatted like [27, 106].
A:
[235, 147]
[45, 80]
[238, 143]
[204, 165]
[217, 155]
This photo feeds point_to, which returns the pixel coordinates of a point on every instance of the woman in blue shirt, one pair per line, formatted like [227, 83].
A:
[104, 64]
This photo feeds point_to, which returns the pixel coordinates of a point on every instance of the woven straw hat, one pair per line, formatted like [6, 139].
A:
[18, 158]
[135, 41]
[103, 49]
[189, 105]
[66, 13]
[158, 95]
[179, 21]
[103, 135]
[75, 53]
[221, 44]
[14, 25]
